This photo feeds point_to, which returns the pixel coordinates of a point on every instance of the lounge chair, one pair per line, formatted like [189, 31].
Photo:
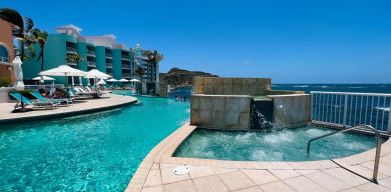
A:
[41, 98]
[77, 95]
[34, 104]
[82, 91]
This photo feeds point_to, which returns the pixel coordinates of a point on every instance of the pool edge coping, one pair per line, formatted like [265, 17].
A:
[66, 113]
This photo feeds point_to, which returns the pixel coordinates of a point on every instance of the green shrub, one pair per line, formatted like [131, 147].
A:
[4, 82]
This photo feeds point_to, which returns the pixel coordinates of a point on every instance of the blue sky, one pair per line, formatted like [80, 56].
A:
[328, 41]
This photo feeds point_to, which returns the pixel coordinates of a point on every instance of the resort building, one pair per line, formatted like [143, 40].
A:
[98, 52]
[151, 71]
[6, 51]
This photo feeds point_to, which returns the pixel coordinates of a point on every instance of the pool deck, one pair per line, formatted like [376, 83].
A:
[155, 173]
[108, 101]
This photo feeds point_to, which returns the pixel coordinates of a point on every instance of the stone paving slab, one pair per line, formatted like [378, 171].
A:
[251, 176]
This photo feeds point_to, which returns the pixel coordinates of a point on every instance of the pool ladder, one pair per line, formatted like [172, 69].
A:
[378, 145]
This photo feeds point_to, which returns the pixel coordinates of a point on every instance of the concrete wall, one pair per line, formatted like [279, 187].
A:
[230, 112]
[291, 110]
[4, 98]
[231, 86]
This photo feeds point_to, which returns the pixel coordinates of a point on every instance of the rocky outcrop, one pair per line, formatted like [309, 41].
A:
[182, 78]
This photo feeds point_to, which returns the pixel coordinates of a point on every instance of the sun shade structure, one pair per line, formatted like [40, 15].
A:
[123, 80]
[45, 78]
[101, 82]
[19, 85]
[134, 80]
[112, 80]
[63, 70]
[94, 73]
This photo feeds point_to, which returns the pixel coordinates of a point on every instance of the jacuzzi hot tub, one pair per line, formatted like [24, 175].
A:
[277, 145]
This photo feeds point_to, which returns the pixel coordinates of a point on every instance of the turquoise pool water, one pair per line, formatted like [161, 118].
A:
[95, 152]
[281, 145]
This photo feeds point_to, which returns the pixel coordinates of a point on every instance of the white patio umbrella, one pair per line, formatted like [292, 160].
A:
[64, 71]
[123, 80]
[19, 85]
[45, 78]
[95, 73]
[42, 79]
[112, 80]
[134, 80]
[101, 82]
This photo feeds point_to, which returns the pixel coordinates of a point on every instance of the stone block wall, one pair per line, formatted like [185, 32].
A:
[163, 89]
[291, 110]
[231, 86]
[4, 98]
[230, 112]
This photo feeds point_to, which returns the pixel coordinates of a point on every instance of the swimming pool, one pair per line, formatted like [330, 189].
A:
[95, 152]
[277, 145]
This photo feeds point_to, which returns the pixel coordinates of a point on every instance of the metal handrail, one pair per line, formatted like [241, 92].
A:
[378, 145]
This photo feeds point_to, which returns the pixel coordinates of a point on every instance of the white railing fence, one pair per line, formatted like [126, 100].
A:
[351, 109]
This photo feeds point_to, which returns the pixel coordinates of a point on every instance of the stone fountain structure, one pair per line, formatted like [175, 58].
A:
[246, 104]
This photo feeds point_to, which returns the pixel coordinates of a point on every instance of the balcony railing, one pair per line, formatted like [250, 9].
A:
[108, 55]
[125, 57]
[126, 75]
[109, 65]
[352, 109]
[4, 60]
[72, 63]
[125, 66]
[71, 49]
[91, 64]
[90, 53]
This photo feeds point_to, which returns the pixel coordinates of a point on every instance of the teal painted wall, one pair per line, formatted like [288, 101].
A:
[117, 65]
[100, 58]
[131, 64]
[82, 50]
[54, 56]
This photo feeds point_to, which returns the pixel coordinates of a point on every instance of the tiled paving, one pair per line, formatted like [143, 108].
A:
[85, 106]
[156, 173]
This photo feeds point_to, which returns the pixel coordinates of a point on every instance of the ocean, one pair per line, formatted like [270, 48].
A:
[360, 88]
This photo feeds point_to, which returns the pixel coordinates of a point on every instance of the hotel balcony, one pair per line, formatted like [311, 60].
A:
[125, 66]
[91, 64]
[125, 75]
[71, 50]
[109, 73]
[125, 57]
[108, 55]
[91, 53]
[109, 65]
[71, 63]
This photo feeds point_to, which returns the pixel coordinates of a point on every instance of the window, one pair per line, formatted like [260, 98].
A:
[4, 57]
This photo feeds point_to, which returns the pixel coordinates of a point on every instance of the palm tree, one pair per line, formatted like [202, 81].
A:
[74, 57]
[155, 57]
[40, 37]
[139, 72]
